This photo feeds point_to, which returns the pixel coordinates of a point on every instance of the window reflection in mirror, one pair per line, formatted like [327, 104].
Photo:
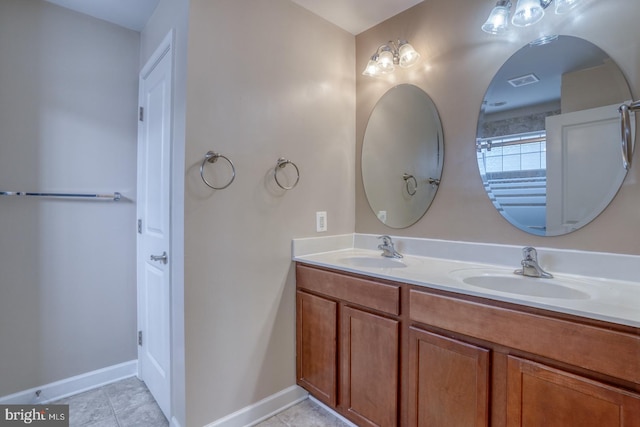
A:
[548, 137]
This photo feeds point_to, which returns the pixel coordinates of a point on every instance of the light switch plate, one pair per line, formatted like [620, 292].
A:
[321, 221]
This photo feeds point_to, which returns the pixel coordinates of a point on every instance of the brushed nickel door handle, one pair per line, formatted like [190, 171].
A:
[164, 258]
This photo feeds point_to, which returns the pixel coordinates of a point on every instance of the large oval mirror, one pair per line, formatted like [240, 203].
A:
[548, 138]
[402, 155]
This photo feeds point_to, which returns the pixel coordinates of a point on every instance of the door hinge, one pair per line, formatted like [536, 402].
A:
[139, 337]
[141, 114]
[139, 226]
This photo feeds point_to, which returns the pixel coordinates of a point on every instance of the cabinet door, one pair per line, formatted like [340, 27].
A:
[316, 346]
[370, 352]
[540, 396]
[449, 382]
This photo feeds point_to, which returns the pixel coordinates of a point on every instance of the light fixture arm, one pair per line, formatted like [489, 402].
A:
[393, 48]
[545, 3]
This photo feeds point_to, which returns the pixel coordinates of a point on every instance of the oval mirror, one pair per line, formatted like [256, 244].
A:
[402, 155]
[548, 139]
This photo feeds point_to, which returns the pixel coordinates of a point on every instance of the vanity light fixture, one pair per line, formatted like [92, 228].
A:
[387, 56]
[527, 12]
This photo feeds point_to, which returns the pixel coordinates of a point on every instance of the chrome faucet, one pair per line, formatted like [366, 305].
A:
[530, 266]
[388, 250]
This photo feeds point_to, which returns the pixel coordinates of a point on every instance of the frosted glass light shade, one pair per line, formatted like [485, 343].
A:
[528, 12]
[563, 6]
[371, 69]
[408, 55]
[385, 62]
[498, 21]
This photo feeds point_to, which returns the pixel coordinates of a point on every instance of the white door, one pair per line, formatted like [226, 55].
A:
[154, 222]
[582, 148]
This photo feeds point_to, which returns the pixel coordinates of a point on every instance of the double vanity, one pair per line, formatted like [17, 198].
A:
[451, 334]
[448, 335]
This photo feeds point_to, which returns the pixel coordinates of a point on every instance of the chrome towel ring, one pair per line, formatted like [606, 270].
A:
[212, 157]
[281, 164]
[625, 127]
[408, 178]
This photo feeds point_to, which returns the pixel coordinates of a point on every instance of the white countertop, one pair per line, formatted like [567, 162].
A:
[601, 298]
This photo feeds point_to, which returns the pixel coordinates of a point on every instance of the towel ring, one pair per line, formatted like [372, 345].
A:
[625, 125]
[212, 157]
[408, 178]
[282, 162]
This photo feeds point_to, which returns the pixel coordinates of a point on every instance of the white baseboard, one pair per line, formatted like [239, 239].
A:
[266, 408]
[74, 385]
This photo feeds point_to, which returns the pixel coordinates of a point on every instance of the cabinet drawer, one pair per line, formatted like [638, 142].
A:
[378, 296]
[610, 352]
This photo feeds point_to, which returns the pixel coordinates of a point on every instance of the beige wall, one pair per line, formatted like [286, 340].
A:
[459, 61]
[578, 92]
[265, 79]
[68, 91]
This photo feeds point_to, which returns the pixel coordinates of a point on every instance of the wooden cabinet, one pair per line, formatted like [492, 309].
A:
[388, 354]
[316, 342]
[449, 382]
[370, 361]
[540, 396]
[348, 344]
[606, 348]
[548, 370]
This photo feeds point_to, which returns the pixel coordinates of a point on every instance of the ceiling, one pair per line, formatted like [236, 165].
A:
[548, 63]
[132, 14]
[356, 16]
[353, 16]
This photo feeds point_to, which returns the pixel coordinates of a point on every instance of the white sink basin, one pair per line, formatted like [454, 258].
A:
[372, 262]
[508, 282]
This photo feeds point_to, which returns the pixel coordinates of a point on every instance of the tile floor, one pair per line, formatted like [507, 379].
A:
[125, 403]
[305, 414]
[128, 403]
